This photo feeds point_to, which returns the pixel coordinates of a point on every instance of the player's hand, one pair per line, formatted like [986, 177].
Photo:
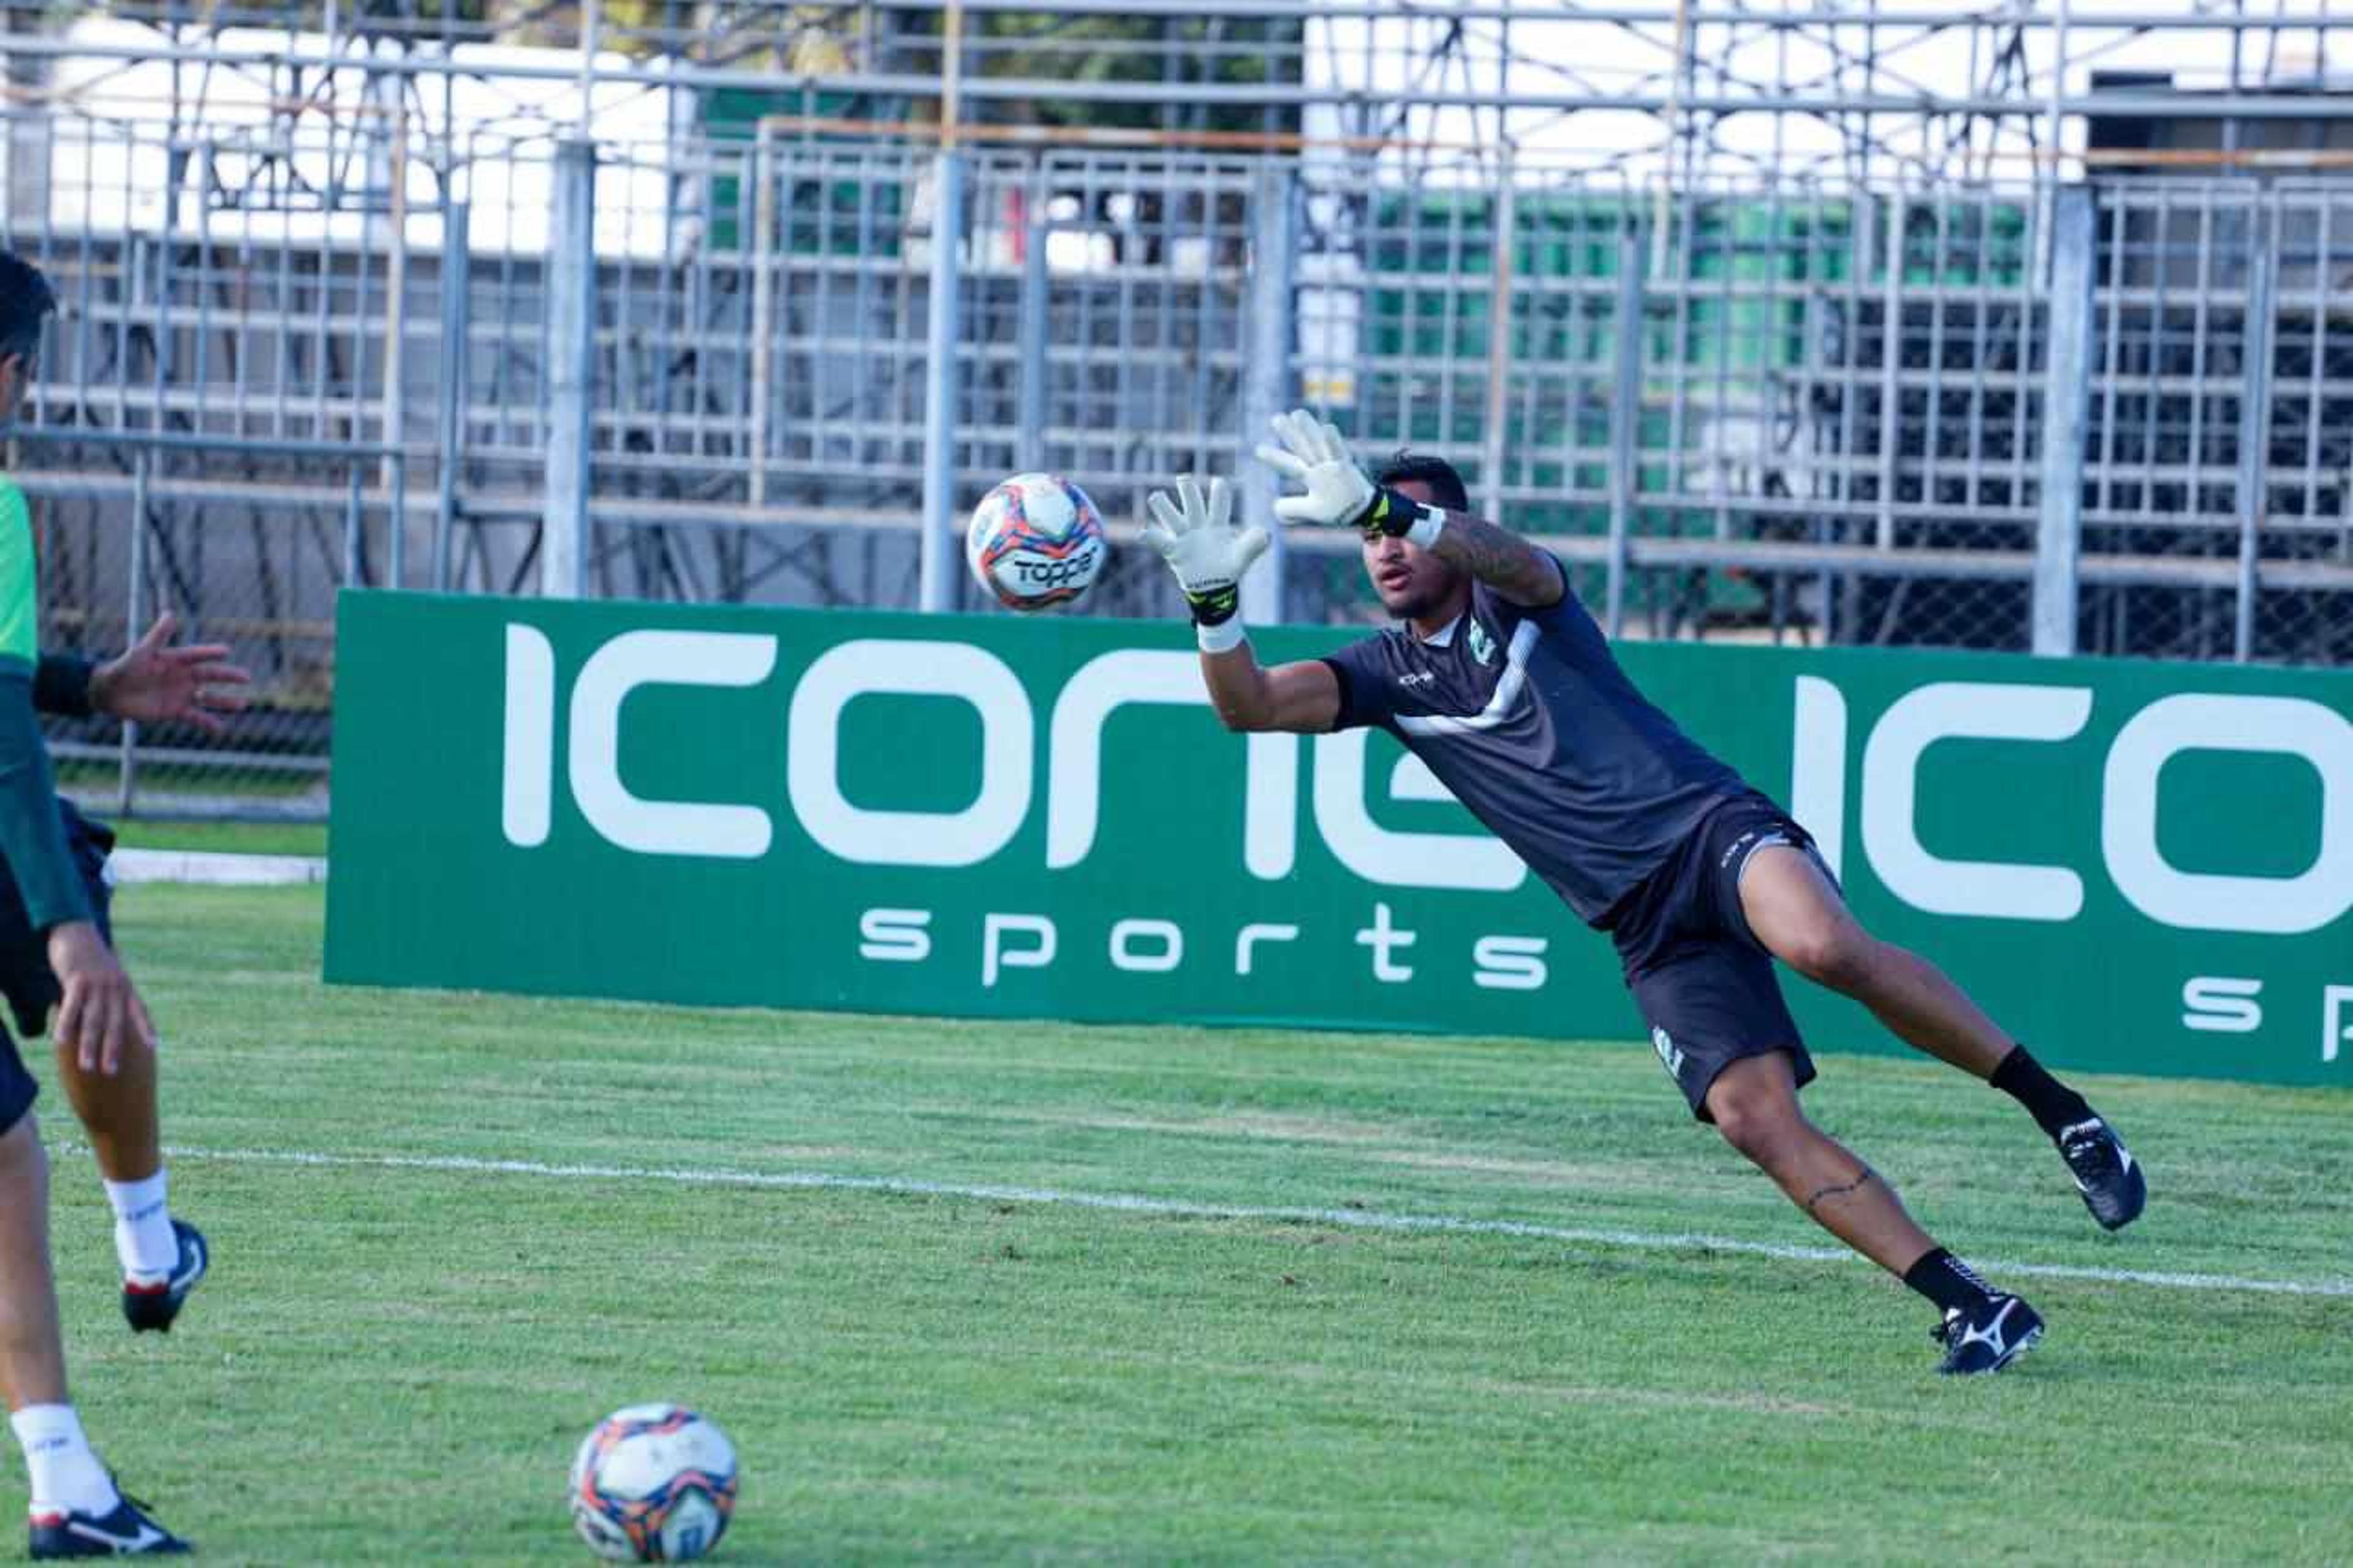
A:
[157, 683]
[1315, 456]
[1195, 535]
[101, 1019]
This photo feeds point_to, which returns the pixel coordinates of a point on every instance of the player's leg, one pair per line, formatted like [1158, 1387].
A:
[75, 1508]
[1724, 1031]
[1752, 1101]
[32, 1356]
[1794, 909]
[1796, 912]
[162, 1258]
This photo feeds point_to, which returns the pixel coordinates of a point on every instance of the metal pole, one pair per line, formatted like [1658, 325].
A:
[354, 519]
[571, 376]
[396, 335]
[1678, 63]
[395, 569]
[591, 20]
[1891, 359]
[2066, 412]
[134, 614]
[2055, 130]
[1625, 422]
[2254, 421]
[763, 310]
[950, 73]
[937, 562]
[1498, 337]
[1029, 397]
[457, 311]
[1267, 386]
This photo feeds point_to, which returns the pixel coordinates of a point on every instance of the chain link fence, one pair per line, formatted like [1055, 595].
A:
[1796, 411]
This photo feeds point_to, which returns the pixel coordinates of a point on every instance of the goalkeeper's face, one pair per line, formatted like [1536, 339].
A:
[1413, 584]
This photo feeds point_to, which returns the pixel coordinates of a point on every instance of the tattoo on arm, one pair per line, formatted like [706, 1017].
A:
[1847, 1189]
[1503, 560]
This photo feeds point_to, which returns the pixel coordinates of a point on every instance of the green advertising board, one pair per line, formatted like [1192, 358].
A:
[2138, 866]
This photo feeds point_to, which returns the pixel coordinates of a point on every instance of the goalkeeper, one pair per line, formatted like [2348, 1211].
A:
[1506, 687]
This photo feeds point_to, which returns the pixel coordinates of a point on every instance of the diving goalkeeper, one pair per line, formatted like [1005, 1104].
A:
[1498, 680]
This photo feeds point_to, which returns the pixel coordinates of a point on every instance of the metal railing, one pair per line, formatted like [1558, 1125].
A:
[780, 366]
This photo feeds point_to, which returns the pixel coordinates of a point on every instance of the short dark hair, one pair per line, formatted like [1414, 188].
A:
[1446, 486]
[26, 298]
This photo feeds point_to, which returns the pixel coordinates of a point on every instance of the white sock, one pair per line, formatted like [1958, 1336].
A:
[143, 1228]
[66, 1474]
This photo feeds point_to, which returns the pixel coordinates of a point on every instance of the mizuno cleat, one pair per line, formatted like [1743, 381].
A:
[153, 1303]
[1998, 1331]
[2105, 1172]
[125, 1532]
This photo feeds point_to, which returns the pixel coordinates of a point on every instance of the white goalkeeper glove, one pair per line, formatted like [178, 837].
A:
[1195, 535]
[1315, 456]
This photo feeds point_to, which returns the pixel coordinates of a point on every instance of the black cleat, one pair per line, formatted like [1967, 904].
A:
[152, 1304]
[2105, 1172]
[1987, 1338]
[125, 1532]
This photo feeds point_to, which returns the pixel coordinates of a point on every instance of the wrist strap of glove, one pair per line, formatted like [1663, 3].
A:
[1218, 638]
[1394, 516]
[1214, 606]
[1214, 611]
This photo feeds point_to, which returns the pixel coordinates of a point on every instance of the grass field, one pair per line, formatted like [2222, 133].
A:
[228, 837]
[402, 1341]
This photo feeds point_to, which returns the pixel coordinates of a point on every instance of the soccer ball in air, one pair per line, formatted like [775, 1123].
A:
[653, 1483]
[1035, 542]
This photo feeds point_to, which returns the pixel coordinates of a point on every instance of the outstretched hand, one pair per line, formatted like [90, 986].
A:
[1315, 456]
[1195, 535]
[154, 682]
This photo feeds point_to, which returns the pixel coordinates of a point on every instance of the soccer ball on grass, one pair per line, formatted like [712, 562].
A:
[653, 1483]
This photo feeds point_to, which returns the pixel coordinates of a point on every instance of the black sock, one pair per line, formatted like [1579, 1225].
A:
[1947, 1281]
[2052, 1104]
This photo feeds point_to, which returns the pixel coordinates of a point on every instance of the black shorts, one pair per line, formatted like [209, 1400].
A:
[1703, 982]
[25, 979]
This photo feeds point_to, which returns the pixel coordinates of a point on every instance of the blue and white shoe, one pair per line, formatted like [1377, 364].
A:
[125, 1532]
[152, 1304]
[2105, 1172]
[1987, 1338]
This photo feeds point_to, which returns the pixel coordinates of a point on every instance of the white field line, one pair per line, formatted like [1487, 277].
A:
[214, 868]
[1183, 1208]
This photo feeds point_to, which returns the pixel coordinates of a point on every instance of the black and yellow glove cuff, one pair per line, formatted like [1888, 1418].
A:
[1214, 606]
[1393, 516]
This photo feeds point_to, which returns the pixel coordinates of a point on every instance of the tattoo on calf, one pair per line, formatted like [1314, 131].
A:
[1826, 1193]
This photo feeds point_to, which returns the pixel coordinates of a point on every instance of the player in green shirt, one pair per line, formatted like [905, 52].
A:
[56, 951]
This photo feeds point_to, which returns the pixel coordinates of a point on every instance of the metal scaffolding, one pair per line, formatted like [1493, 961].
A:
[1995, 325]
[1672, 88]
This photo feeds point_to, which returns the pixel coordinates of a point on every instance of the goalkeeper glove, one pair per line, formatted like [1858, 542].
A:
[1315, 456]
[1196, 537]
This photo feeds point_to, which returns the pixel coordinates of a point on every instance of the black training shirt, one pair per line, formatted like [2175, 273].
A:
[1525, 715]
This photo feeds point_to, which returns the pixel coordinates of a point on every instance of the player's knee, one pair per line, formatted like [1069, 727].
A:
[1839, 954]
[1756, 1123]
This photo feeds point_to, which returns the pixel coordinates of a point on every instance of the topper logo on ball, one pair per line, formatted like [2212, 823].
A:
[1035, 573]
